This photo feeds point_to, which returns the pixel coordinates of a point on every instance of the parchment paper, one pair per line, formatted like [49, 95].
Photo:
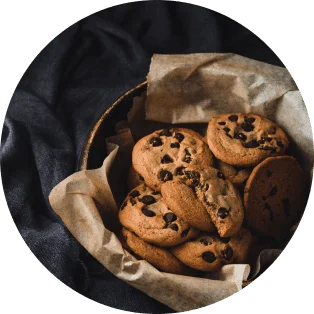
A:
[182, 89]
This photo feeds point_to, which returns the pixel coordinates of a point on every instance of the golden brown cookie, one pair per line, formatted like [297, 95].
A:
[209, 252]
[237, 176]
[158, 257]
[241, 244]
[245, 139]
[182, 200]
[274, 196]
[156, 156]
[217, 194]
[145, 213]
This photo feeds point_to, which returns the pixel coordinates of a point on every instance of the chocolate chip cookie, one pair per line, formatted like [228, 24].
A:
[209, 252]
[134, 179]
[244, 140]
[217, 194]
[237, 176]
[182, 200]
[156, 156]
[146, 214]
[274, 195]
[241, 244]
[158, 257]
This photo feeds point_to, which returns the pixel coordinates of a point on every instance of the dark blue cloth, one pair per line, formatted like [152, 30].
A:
[62, 94]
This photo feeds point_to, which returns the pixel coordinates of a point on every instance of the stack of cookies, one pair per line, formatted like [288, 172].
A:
[196, 204]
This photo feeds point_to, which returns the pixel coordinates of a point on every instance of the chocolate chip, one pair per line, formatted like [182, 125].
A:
[280, 144]
[222, 212]
[165, 132]
[175, 145]
[208, 257]
[226, 130]
[251, 144]
[227, 253]
[185, 233]
[224, 240]
[187, 158]
[228, 135]
[206, 241]
[174, 227]
[179, 171]
[247, 127]
[270, 148]
[273, 191]
[187, 153]
[271, 214]
[147, 212]
[166, 159]
[170, 217]
[286, 206]
[148, 199]
[269, 174]
[206, 187]
[134, 193]
[249, 120]
[220, 175]
[155, 141]
[165, 175]
[222, 123]
[179, 137]
[240, 136]
[192, 174]
[133, 202]
[266, 139]
[195, 182]
[233, 118]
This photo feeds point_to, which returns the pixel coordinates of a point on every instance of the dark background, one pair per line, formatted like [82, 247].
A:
[60, 97]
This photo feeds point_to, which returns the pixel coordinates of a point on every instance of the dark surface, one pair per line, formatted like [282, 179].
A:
[61, 96]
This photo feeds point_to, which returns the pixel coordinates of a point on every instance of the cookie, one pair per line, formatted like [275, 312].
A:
[244, 140]
[146, 214]
[220, 198]
[182, 200]
[156, 156]
[274, 195]
[241, 244]
[237, 176]
[209, 252]
[158, 257]
[134, 179]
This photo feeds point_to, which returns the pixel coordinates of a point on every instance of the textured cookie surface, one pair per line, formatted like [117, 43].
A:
[245, 139]
[158, 257]
[236, 176]
[274, 195]
[146, 214]
[182, 200]
[134, 179]
[209, 252]
[241, 244]
[220, 198]
[156, 156]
